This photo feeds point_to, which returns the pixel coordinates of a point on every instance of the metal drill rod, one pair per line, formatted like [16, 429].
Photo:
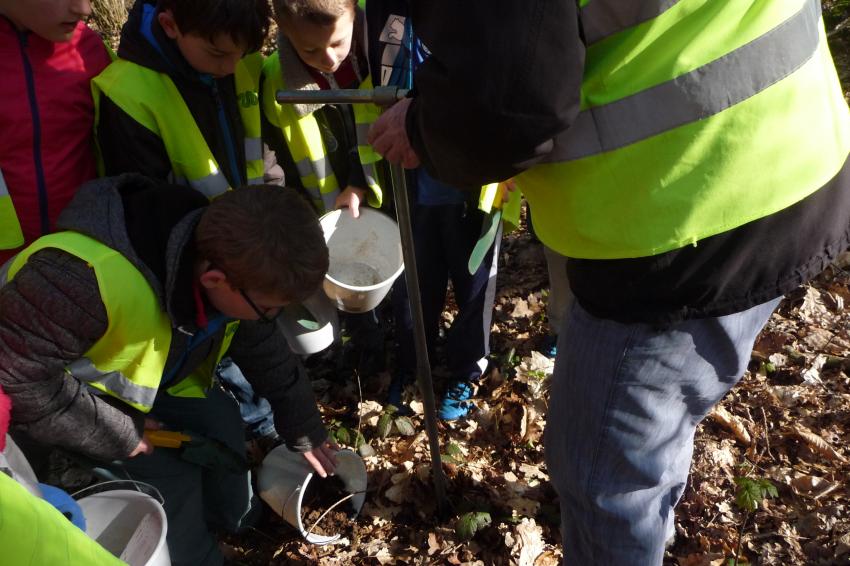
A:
[386, 96]
[382, 96]
[423, 364]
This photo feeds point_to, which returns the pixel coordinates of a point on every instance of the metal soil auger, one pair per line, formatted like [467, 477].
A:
[386, 96]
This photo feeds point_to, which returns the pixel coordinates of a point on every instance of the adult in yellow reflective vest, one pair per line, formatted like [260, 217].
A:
[182, 101]
[691, 159]
[109, 321]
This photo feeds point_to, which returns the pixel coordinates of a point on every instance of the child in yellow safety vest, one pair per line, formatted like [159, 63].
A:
[322, 147]
[109, 329]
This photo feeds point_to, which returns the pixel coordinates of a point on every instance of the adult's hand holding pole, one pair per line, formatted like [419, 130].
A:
[388, 136]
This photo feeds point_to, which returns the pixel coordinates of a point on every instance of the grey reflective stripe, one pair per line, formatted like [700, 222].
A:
[114, 381]
[329, 200]
[369, 172]
[4, 190]
[697, 95]
[304, 167]
[315, 194]
[601, 18]
[255, 181]
[362, 133]
[4, 270]
[320, 168]
[253, 149]
[211, 185]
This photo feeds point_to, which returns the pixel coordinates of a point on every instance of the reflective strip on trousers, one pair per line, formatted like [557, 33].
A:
[114, 382]
[601, 18]
[700, 94]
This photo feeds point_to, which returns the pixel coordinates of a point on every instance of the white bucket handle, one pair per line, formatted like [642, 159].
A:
[134, 483]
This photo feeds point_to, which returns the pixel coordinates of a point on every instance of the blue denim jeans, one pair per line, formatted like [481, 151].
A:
[624, 405]
[256, 412]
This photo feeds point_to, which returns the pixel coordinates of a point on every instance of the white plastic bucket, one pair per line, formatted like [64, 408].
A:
[283, 477]
[365, 258]
[311, 326]
[129, 524]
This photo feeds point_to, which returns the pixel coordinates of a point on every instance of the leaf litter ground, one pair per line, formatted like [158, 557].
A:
[787, 422]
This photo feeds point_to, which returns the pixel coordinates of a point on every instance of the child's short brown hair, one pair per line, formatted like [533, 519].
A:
[320, 12]
[264, 238]
[244, 21]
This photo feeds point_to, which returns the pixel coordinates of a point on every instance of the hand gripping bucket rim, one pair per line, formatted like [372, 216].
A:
[284, 475]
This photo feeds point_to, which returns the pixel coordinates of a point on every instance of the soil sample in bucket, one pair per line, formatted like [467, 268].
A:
[355, 274]
[320, 495]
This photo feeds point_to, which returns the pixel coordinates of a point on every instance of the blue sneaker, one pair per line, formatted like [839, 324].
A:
[549, 348]
[455, 404]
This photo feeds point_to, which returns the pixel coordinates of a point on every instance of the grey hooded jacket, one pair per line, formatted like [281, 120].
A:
[51, 313]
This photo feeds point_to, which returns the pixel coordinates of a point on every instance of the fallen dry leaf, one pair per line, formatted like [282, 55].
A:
[527, 543]
[818, 444]
[813, 486]
[732, 423]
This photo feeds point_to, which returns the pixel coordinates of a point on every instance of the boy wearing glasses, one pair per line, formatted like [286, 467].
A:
[125, 313]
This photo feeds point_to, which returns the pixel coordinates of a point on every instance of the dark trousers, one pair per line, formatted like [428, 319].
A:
[444, 236]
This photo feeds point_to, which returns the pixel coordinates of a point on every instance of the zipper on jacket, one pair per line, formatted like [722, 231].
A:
[228, 138]
[41, 185]
[193, 340]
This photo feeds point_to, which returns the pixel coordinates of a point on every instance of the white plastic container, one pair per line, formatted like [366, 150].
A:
[365, 258]
[129, 524]
[282, 481]
[311, 326]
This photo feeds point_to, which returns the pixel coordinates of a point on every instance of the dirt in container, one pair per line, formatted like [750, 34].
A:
[320, 495]
[355, 274]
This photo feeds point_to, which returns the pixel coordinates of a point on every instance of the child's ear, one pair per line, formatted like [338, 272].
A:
[213, 279]
[169, 26]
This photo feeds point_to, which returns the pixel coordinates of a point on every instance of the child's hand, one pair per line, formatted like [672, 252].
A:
[351, 197]
[323, 458]
[145, 445]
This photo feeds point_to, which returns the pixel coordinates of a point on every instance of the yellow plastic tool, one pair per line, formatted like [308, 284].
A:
[167, 438]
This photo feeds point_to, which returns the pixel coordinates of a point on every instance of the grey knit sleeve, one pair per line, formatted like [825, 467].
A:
[51, 313]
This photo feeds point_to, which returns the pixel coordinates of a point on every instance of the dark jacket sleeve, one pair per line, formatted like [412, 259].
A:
[51, 313]
[502, 81]
[261, 352]
[128, 147]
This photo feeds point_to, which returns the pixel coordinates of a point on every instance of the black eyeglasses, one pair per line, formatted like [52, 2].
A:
[261, 314]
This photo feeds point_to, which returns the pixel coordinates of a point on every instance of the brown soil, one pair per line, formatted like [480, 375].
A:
[321, 494]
